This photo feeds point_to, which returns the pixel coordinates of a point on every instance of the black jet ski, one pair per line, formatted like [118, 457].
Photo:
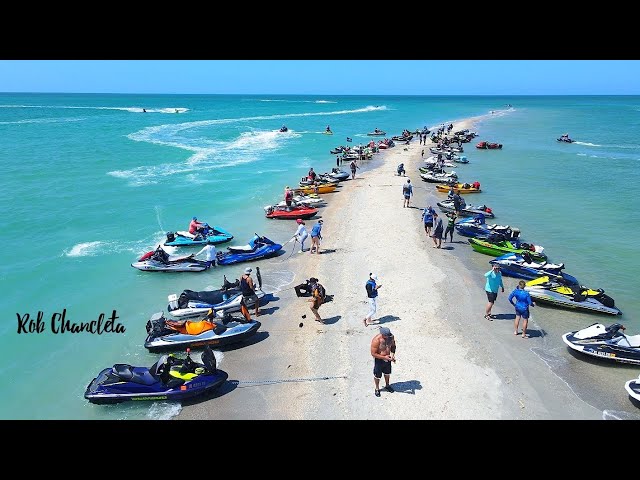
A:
[228, 299]
[610, 343]
[164, 334]
[170, 378]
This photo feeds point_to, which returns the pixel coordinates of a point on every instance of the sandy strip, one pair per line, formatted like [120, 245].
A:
[451, 363]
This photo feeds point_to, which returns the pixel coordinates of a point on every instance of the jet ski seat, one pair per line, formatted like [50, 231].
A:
[632, 340]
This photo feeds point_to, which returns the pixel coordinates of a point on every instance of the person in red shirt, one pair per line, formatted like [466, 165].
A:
[195, 226]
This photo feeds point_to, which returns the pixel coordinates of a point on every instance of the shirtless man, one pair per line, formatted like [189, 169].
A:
[383, 351]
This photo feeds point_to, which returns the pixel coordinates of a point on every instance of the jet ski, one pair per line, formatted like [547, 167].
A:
[432, 177]
[338, 174]
[160, 261]
[610, 343]
[565, 139]
[289, 213]
[170, 378]
[555, 292]
[467, 210]
[258, 247]
[522, 266]
[166, 334]
[210, 235]
[227, 299]
[633, 388]
[497, 245]
[478, 228]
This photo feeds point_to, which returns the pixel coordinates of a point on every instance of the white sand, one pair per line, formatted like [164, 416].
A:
[451, 363]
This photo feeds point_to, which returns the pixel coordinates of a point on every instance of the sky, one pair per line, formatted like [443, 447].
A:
[324, 77]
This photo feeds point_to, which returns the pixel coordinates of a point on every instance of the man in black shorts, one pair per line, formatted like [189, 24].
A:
[383, 351]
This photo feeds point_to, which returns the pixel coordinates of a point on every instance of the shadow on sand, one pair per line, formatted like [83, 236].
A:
[409, 386]
[386, 319]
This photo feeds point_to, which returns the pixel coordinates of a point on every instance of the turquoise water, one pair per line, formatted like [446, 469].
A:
[90, 182]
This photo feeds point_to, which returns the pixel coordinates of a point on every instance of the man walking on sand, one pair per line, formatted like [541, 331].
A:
[407, 192]
[494, 281]
[372, 293]
[383, 351]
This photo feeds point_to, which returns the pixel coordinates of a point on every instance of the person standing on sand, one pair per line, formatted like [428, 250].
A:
[372, 293]
[451, 216]
[407, 192]
[317, 298]
[301, 233]
[522, 304]
[353, 165]
[437, 231]
[316, 236]
[427, 218]
[383, 351]
[494, 281]
[249, 290]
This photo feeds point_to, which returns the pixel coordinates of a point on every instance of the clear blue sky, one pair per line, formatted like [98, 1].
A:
[325, 77]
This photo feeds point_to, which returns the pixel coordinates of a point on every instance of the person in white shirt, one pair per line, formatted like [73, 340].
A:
[301, 234]
[210, 251]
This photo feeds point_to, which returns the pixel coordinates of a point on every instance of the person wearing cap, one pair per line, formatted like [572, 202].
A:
[316, 236]
[301, 233]
[494, 281]
[372, 293]
[195, 226]
[383, 351]
[407, 192]
[249, 290]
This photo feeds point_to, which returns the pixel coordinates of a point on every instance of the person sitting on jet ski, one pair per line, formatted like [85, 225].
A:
[328, 128]
[311, 175]
[160, 255]
[195, 226]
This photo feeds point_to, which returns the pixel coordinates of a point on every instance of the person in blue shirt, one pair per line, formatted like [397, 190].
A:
[316, 236]
[522, 303]
[427, 218]
[494, 281]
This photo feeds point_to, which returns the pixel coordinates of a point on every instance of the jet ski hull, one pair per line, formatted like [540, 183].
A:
[196, 308]
[221, 236]
[181, 266]
[633, 388]
[179, 341]
[560, 300]
[595, 341]
[169, 379]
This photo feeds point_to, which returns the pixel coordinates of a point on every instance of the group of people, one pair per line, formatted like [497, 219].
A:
[301, 235]
[519, 298]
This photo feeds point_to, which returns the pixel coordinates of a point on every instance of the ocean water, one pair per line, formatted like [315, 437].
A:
[90, 182]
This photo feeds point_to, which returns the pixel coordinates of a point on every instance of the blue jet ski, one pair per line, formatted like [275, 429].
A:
[170, 378]
[477, 227]
[258, 247]
[210, 235]
[522, 266]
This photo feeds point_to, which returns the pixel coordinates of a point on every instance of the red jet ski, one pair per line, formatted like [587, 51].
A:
[292, 213]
